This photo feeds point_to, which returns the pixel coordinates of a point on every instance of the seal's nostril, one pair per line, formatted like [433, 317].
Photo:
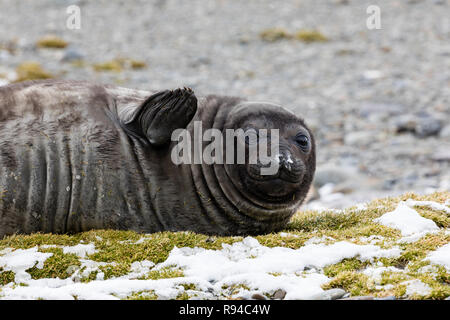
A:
[285, 160]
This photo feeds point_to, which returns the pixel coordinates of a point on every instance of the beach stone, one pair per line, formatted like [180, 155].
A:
[72, 54]
[405, 123]
[279, 294]
[441, 155]
[332, 294]
[258, 296]
[370, 108]
[427, 126]
[359, 138]
[445, 132]
[359, 298]
[333, 174]
[387, 298]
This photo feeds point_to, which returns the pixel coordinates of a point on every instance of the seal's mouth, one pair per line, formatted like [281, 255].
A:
[293, 175]
[279, 187]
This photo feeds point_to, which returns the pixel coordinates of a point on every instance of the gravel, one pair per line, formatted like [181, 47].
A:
[355, 90]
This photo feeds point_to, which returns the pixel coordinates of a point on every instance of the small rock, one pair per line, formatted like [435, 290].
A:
[258, 296]
[428, 126]
[387, 298]
[422, 125]
[441, 155]
[359, 298]
[372, 74]
[405, 123]
[370, 108]
[279, 294]
[332, 294]
[445, 132]
[360, 138]
[71, 54]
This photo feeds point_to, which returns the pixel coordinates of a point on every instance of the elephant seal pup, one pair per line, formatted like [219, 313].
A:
[76, 156]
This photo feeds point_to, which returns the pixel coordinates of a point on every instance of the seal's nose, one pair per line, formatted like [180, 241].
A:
[285, 160]
[290, 169]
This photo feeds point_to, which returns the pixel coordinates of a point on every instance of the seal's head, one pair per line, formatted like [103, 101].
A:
[256, 194]
[279, 154]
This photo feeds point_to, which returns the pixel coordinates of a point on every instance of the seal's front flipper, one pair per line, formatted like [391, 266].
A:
[160, 114]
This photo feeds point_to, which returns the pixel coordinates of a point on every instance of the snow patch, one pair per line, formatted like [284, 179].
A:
[80, 250]
[410, 223]
[264, 269]
[20, 260]
[416, 287]
[441, 256]
[430, 204]
[376, 273]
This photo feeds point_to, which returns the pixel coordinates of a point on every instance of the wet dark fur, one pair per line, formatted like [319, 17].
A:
[70, 163]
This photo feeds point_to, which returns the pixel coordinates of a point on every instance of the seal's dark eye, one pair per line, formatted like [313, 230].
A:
[302, 141]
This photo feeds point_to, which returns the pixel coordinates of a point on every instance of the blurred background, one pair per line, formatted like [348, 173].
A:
[377, 99]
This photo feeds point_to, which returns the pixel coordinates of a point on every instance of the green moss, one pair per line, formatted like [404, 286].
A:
[164, 273]
[137, 64]
[31, 71]
[52, 42]
[275, 34]
[234, 289]
[142, 295]
[189, 286]
[6, 277]
[356, 283]
[310, 36]
[118, 64]
[120, 250]
[90, 277]
[115, 270]
[113, 65]
[343, 266]
[441, 218]
[55, 266]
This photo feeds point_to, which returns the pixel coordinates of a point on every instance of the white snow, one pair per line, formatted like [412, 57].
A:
[262, 269]
[410, 223]
[431, 204]
[80, 250]
[417, 287]
[441, 256]
[20, 260]
[376, 273]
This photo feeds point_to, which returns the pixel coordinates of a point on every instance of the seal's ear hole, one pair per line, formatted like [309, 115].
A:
[162, 113]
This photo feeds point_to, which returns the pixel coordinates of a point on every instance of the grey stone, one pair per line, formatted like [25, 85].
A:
[445, 132]
[441, 155]
[332, 294]
[279, 294]
[258, 296]
[405, 123]
[72, 54]
[333, 174]
[359, 298]
[386, 298]
[370, 108]
[427, 126]
[360, 138]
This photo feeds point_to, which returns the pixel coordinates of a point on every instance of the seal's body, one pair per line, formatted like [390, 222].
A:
[76, 156]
